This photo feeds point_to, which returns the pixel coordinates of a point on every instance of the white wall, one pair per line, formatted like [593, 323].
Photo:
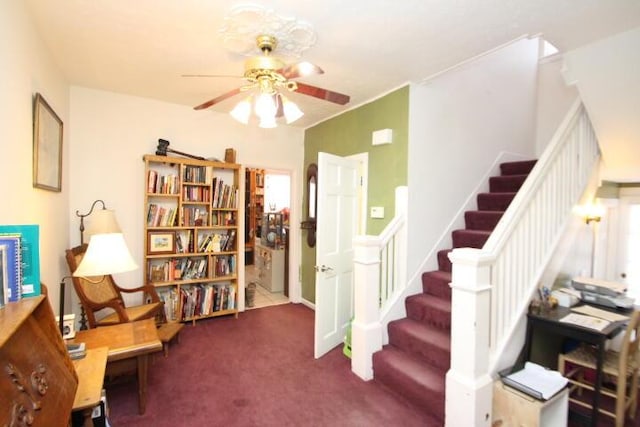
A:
[607, 76]
[111, 132]
[27, 68]
[459, 123]
[555, 99]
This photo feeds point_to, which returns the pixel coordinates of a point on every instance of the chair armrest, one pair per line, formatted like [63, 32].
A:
[147, 289]
[118, 306]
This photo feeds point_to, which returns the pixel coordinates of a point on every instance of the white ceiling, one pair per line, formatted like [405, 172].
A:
[366, 47]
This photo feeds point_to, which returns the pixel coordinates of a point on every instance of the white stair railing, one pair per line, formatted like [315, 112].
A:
[379, 278]
[492, 286]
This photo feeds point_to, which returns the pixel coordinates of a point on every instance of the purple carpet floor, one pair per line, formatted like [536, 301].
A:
[257, 370]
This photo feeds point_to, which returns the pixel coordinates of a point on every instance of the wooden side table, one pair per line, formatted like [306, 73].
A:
[90, 370]
[130, 345]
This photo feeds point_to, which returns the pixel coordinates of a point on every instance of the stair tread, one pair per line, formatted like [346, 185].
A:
[421, 331]
[438, 274]
[517, 167]
[476, 232]
[431, 301]
[485, 212]
[514, 176]
[417, 370]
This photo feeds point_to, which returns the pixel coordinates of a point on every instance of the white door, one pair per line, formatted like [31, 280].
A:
[337, 221]
[628, 270]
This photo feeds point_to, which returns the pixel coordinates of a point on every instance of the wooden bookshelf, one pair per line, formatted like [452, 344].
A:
[192, 237]
[254, 198]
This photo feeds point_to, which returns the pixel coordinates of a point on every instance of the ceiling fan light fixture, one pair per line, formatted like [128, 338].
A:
[290, 109]
[267, 123]
[242, 111]
[266, 107]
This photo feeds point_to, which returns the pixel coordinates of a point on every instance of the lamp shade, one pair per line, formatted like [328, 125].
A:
[291, 110]
[242, 111]
[103, 222]
[106, 254]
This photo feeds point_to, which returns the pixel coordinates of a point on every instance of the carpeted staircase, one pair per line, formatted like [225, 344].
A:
[415, 361]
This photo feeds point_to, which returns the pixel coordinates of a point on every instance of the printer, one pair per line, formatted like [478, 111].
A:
[601, 292]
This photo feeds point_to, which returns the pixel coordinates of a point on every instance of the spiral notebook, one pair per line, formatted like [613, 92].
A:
[29, 236]
[12, 267]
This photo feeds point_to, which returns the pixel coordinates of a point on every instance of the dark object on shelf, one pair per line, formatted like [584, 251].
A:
[273, 227]
[163, 149]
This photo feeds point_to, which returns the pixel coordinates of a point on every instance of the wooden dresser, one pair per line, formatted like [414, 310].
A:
[37, 378]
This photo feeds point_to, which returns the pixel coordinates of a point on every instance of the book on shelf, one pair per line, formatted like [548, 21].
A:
[12, 267]
[4, 277]
[29, 235]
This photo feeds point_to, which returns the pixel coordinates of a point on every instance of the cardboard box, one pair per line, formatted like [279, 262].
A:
[230, 155]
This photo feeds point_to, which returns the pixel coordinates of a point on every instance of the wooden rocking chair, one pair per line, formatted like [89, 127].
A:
[102, 293]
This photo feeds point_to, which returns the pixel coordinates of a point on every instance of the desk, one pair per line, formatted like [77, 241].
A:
[549, 320]
[127, 342]
[90, 370]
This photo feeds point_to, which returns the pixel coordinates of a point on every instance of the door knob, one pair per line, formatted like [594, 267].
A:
[323, 268]
[623, 275]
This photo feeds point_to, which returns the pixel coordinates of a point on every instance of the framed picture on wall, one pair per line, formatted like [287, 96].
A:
[47, 146]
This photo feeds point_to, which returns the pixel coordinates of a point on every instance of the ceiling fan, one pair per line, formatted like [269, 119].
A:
[269, 74]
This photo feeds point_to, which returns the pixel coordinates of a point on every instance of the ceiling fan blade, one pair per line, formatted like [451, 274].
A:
[221, 98]
[327, 95]
[300, 69]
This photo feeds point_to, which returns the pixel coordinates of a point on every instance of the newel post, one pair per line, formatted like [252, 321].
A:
[468, 384]
[366, 330]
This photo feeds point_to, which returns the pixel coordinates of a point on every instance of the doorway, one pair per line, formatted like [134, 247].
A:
[627, 270]
[268, 202]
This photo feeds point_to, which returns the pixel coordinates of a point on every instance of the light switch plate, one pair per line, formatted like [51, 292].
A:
[377, 212]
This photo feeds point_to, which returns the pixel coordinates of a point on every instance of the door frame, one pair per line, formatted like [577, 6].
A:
[295, 235]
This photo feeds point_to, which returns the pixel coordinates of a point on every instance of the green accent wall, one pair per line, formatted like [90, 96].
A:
[351, 133]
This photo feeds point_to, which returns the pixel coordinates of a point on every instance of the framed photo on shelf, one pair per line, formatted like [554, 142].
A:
[161, 242]
[47, 146]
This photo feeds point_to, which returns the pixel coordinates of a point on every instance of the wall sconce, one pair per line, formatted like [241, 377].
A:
[591, 212]
[107, 253]
[312, 204]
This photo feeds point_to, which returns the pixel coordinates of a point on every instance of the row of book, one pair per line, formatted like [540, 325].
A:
[223, 218]
[196, 194]
[197, 217]
[162, 184]
[19, 262]
[184, 242]
[197, 300]
[224, 265]
[203, 300]
[169, 297]
[217, 242]
[191, 268]
[224, 196]
[178, 269]
[163, 216]
[197, 174]
[160, 216]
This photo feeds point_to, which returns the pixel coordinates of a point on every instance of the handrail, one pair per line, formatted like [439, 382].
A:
[526, 236]
[379, 277]
[492, 286]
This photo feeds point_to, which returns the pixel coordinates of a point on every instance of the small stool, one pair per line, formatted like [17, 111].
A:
[168, 331]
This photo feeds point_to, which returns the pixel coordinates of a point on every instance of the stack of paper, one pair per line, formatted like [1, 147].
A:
[537, 381]
[586, 321]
